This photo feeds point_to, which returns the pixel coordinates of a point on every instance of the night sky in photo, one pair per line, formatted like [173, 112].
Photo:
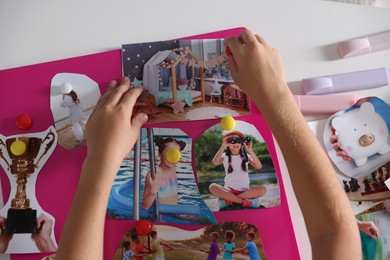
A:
[134, 56]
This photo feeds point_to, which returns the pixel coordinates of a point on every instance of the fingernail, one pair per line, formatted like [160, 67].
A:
[228, 51]
[112, 83]
[145, 118]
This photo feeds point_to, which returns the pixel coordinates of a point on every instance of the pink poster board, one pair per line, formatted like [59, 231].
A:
[27, 90]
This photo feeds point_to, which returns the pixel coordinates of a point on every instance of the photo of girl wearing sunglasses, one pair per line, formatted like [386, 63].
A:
[236, 153]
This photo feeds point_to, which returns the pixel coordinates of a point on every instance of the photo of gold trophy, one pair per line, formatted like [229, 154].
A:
[21, 156]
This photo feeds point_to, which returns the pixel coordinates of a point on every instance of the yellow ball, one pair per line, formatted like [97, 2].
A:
[228, 123]
[18, 148]
[173, 155]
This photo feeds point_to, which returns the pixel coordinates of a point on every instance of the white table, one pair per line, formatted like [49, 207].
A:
[305, 32]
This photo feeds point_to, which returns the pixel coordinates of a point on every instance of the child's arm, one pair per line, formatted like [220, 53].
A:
[111, 133]
[258, 70]
[368, 227]
[218, 158]
[254, 160]
[147, 249]
[138, 255]
[4, 238]
[166, 245]
[239, 250]
[150, 191]
[231, 251]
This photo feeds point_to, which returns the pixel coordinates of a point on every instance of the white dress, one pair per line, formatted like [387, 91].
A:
[75, 112]
[76, 115]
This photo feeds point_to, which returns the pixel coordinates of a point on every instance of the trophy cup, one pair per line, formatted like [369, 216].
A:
[22, 152]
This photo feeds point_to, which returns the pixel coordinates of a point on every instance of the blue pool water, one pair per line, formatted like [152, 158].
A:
[187, 190]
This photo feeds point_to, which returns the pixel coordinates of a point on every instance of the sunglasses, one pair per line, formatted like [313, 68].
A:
[235, 140]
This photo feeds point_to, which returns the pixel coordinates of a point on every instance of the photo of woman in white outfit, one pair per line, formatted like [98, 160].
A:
[72, 100]
[76, 114]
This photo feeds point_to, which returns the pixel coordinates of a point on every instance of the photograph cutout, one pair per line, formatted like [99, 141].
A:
[235, 170]
[161, 167]
[25, 226]
[362, 134]
[374, 228]
[72, 99]
[228, 240]
[183, 80]
[371, 187]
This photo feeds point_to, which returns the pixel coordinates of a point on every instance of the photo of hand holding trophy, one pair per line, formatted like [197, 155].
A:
[22, 158]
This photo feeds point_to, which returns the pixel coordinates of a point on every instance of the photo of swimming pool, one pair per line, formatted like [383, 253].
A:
[190, 209]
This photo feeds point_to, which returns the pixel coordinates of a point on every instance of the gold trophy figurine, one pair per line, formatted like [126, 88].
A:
[23, 151]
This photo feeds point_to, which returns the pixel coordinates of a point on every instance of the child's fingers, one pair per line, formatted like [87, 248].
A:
[333, 138]
[346, 158]
[103, 99]
[224, 140]
[130, 97]
[137, 122]
[247, 37]
[261, 40]
[118, 93]
[233, 66]
[125, 80]
[336, 146]
[39, 221]
[234, 44]
[111, 86]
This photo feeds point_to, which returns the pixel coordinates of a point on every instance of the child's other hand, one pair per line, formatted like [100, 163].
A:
[111, 131]
[154, 183]
[4, 238]
[248, 146]
[225, 142]
[369, 228]
[336, 145]
[43, 239]
[256, 67]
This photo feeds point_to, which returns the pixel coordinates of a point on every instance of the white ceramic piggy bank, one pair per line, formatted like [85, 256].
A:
[362, 132]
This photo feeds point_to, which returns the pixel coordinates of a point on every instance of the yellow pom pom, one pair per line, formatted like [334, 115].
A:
[228, 123]
[18, 148]
[173, 155]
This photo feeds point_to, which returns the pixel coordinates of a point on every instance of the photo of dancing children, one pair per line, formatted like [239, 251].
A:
[228, 240]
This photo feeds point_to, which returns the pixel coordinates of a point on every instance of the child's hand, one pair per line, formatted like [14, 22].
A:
[225, 142]
[369, 228]
[43, 237]
[111, 131]
[248, 146]
[154, 184]
[336, 145]
[256, 67]
[4, 238]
